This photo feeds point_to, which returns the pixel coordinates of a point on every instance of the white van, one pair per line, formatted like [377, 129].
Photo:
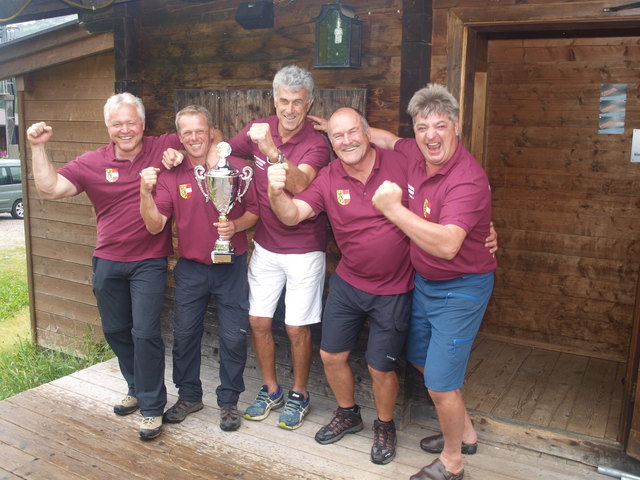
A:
[11, 187]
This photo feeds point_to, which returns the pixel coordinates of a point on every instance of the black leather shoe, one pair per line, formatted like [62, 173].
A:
[436, 471]
[435, 444]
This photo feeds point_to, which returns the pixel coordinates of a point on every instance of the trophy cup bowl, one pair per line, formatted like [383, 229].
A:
[222, 185]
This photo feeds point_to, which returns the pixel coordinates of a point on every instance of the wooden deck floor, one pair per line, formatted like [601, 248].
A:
[66, 430]
[553, 389]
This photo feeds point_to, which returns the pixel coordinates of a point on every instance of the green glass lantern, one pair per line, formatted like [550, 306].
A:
[338, 37]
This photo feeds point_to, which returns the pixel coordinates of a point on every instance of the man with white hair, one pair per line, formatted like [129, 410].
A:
[129, 264]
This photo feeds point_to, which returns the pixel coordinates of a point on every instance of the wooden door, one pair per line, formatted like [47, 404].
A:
[566, 200]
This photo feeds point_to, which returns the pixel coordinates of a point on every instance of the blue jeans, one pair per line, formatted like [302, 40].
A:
[130, 298]
[195, 283]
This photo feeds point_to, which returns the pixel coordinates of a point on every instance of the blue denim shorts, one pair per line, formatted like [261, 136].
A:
[445, 319]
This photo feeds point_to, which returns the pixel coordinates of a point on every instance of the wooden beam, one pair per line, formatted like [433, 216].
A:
[127, 53]
[415, 56]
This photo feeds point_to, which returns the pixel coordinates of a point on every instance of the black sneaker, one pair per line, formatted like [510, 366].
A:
[384, 442]
[180, 410]
[345, 421]
[229, 418]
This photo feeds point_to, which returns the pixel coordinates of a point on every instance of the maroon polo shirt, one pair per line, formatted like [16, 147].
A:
[177, 193]
[375, 253]
[113, 186]
[458, 194]
[309, 147]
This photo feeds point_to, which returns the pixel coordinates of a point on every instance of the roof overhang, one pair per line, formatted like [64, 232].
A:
[52, 47]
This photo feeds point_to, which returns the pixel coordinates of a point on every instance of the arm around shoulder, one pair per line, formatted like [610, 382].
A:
[383, 138]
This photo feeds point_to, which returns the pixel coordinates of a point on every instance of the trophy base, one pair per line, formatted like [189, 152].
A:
[222, 257]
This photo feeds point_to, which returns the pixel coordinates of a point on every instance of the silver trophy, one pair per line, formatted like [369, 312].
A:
[222, 187]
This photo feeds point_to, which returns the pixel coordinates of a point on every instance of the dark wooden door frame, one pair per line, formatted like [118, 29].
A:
[468, 32]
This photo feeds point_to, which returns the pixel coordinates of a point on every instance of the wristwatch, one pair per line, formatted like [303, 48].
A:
[281, 158]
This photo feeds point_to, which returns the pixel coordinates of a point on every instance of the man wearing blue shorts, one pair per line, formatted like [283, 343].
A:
[447, 220]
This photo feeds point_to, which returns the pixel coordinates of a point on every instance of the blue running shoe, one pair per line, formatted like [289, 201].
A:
[264, 402]
[294, 411]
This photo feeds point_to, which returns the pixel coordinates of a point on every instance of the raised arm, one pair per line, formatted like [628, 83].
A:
[290, 211]
[153, 219]
[49, 183]
[298, 177]
[443, 241]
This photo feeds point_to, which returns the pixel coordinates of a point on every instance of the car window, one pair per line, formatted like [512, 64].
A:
[5, 179]
[16, 174]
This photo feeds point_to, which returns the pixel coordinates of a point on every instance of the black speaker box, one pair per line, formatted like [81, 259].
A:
[255, 15]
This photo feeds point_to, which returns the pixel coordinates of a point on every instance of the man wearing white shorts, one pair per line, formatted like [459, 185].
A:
[284, 256]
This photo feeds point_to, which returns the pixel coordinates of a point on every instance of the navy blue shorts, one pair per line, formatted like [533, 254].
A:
[346, 312]
[445, 320]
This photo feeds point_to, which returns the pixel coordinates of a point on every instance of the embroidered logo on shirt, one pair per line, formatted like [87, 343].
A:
[426, 208]
[343, 197]
[411, 190]
[111, 174]
[185, 190]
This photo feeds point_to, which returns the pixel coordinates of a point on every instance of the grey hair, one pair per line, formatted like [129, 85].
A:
[434, 98]
[194, 110]
[114, 102]
[293, 78]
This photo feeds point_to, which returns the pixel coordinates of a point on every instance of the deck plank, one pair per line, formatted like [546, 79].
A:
[527, 387]
[590, 412]
[66, 430]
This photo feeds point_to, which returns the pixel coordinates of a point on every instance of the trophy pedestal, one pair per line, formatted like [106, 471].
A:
[223, 252]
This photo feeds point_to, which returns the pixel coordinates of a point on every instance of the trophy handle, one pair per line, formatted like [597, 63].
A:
[247, 173]
[199, 173]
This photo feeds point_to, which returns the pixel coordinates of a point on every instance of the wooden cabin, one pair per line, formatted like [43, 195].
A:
[555, 365]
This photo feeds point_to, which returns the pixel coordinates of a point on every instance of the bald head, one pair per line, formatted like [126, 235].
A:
[348, 132]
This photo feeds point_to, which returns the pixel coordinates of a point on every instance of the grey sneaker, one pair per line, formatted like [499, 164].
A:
[180, 410]
[127, 405]
[229, 418]
[295, 409]
[264, 402]
[150, 428]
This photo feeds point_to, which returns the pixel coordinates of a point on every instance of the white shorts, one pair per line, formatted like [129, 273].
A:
[302, 273]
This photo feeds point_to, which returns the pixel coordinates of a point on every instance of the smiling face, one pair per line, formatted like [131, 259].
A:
[349, 137]
[125, 129]
[291, 109]
[437, 138]
[196, 136]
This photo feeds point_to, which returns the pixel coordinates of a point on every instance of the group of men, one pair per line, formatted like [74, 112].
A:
[396, 207]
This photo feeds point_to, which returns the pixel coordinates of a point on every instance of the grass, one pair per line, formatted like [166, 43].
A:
[14, 294]
[24, 365]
